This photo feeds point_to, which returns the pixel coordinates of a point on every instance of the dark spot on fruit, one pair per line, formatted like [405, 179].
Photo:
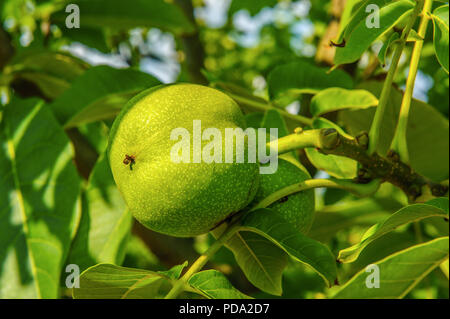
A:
[129, 159]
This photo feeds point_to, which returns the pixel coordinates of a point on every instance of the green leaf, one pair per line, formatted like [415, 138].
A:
[336, 166]
[105, 222]
[386, 45]
[273, 119]
[361, 212]
[303, 249]
[39, 200]
[427, 133]
[406, 215]
[213, 284]
[251, 5]
[441, 36]
[99, 94]
[399, 273]
[358, 37]
[106, 281]
[51, 72]
[350, 9]
[303, 77]
[254, 119]
[334, 99]
[261, 261]
[118, 14]
[175, 272]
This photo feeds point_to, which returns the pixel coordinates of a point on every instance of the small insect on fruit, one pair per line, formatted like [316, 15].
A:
[129, 159]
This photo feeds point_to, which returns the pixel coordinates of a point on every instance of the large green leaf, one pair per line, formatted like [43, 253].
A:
[106, 281]
[406, 215]
[261, 261]
[361, 212]
[105, 221]
[213, 284]
[303, 249]
[39, 200]
[427, 133]
[358, 37]
[399, 273]
[51, 72]
[118, 14]
[334, 99]
[441, 36]
[303, 77]
[99, 94]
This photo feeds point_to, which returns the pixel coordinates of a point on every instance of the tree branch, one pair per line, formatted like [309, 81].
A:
[373, 166]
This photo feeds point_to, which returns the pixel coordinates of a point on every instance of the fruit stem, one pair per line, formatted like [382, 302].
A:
[303, 120]
[375, 129]
[357, 189]
[399, 142]
[201, 261]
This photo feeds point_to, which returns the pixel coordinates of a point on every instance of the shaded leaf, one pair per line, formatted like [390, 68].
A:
[303, 249]
[213, 284]
[261, 261]
[303, 77]
[252, 6]
[174, 272]
[39, 200]
[399, 272]
[117, 14]
[406, 215]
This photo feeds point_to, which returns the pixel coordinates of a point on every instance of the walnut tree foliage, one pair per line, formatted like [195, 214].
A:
[358, 89]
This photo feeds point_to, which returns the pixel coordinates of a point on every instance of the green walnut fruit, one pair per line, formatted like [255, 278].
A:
[178, 198]
[298, 208]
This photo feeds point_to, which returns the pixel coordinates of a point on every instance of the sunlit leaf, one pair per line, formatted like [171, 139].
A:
[106, 281]
[99, 94]
[406, 215]
[261, 261]
[398, 273]
[39, 200]
[334, 99]
[359, 36]
[215, 285]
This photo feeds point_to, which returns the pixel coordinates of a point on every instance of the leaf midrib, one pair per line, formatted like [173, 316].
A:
[18, 191]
